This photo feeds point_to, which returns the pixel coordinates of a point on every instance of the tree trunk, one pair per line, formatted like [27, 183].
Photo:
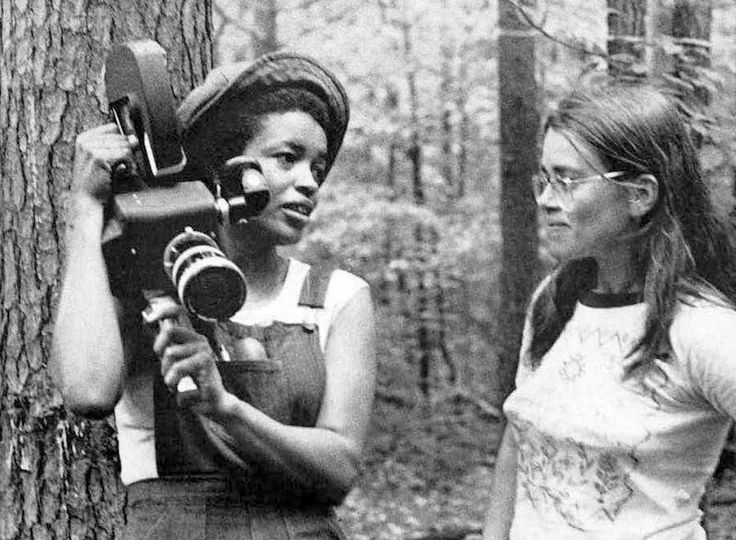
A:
[519, 125]
[463, 136]
[446, 90]
[626, 38]
[394, 145]
[265, 40]
[687, 23]
[414, 152]
[58, 475]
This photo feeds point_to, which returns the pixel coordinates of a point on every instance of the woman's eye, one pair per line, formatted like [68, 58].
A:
[319, 172]
[286, 158]
[562, 181]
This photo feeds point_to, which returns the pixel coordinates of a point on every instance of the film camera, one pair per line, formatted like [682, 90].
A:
[159, 233]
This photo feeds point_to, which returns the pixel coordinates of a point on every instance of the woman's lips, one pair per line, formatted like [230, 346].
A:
[298, 213]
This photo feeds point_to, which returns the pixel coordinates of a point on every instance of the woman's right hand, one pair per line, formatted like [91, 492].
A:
[97, 153]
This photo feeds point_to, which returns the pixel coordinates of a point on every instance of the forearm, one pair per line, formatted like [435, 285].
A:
[503, 491]
[87, 349]
[319, 458]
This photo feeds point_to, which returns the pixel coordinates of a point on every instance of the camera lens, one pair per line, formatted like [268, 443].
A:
[208, 284]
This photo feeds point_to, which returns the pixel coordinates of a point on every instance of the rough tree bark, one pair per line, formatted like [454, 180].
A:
[58, 474]
[519, 125]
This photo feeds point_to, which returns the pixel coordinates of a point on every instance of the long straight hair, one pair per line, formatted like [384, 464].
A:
[684, 250]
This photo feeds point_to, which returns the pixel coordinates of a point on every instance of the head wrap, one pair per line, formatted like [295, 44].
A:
[212, 111]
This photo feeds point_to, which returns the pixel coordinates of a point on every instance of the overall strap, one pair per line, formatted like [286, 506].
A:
[314, 288]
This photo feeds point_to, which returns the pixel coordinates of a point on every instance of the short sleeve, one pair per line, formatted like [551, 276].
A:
[703, 337]
[343, 286]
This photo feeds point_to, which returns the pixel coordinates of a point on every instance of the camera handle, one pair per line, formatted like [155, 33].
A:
[157, 299]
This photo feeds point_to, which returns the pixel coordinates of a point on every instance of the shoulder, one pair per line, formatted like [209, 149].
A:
[699, 321]
[343, 281]
[338, 286]
[342, 287]
[703, 340]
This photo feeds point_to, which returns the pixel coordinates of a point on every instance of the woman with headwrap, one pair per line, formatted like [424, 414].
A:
[270, 439]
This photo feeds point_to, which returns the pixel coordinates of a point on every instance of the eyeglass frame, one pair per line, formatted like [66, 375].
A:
[565, 182]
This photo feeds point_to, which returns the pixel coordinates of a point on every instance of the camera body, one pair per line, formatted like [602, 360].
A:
[161, 223]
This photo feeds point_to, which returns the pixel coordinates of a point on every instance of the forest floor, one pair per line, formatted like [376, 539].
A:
[424, 473]
[405, 513]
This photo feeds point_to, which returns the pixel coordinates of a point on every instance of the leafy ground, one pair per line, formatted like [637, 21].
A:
[425, 472]
[406, 512]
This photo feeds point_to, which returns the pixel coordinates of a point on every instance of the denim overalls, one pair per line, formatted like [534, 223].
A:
[200, 494]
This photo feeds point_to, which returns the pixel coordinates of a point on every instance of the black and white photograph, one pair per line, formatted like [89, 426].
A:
[368, 270]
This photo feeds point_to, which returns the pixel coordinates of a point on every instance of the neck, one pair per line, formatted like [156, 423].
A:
[264, 269]
[616, 275]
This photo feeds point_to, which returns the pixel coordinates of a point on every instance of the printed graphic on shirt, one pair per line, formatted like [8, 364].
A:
[577, 448]
[580, 484]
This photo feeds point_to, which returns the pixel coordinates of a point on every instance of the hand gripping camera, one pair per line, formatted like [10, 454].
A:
[159, 233]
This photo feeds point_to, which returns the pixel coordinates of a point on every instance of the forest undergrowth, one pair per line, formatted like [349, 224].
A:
[426, 476]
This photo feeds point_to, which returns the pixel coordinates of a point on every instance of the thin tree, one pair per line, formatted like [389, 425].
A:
[686, 26]
[519, 125]
[58, 474]
[265, 15]
[414, 152]
[447, 165]
[626, 38]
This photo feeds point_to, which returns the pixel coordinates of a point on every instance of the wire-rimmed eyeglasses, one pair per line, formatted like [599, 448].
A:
[562, 186]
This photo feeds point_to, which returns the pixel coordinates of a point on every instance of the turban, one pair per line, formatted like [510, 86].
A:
[214, 110]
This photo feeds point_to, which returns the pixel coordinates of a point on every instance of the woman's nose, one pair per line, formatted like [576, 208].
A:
[305, 180]
[548, 197]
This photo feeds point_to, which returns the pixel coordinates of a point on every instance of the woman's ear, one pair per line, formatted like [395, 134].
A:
[643, 195]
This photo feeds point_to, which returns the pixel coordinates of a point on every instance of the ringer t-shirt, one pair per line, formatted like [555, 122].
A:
[601, 456]
[134, 413]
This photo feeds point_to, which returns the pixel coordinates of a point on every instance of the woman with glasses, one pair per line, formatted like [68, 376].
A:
[626, 386]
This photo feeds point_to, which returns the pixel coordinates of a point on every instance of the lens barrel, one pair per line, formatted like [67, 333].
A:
[208, 283]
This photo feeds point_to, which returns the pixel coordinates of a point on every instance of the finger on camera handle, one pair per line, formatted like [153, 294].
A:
[186, 383]
[162, 306]
[167, 312]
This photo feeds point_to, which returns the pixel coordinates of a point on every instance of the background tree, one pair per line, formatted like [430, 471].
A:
[58, 474]
[627, 33]
[519, 125]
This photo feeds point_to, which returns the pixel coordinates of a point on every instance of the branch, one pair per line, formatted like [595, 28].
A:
[555, 39]
[227, 19]
[480, 403]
